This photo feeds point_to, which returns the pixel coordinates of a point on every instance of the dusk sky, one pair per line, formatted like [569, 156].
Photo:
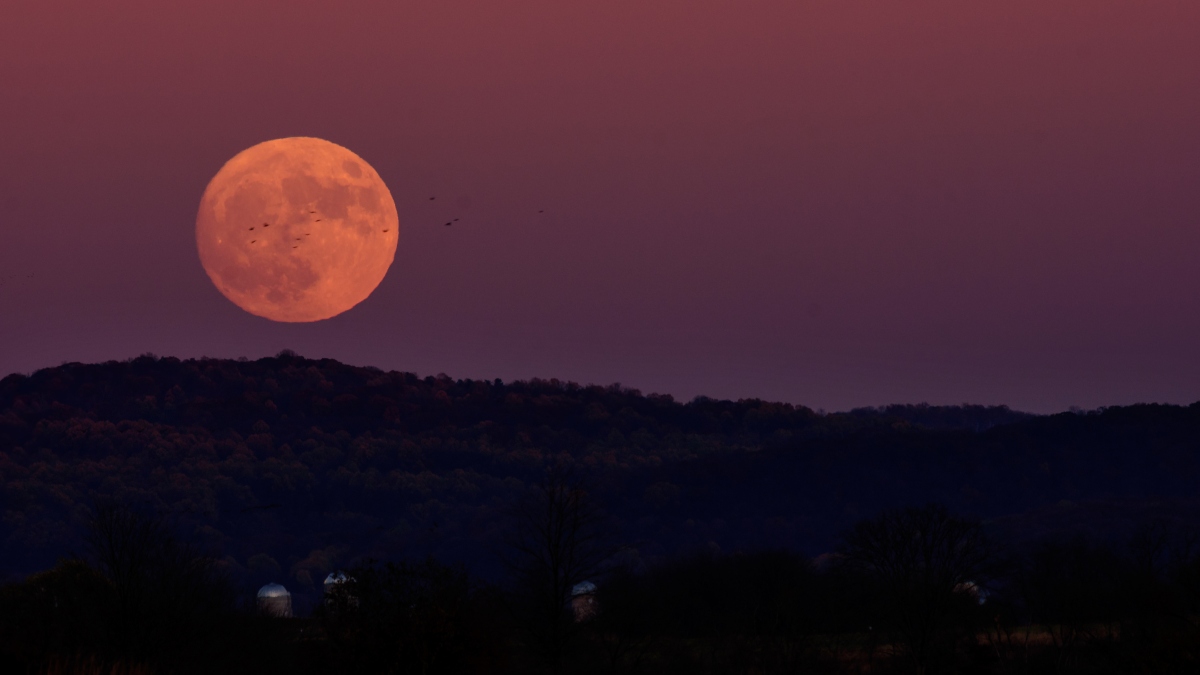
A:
[834, 203]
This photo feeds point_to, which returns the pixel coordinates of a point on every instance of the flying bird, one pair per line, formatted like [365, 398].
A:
[432, 198]
[385, 230]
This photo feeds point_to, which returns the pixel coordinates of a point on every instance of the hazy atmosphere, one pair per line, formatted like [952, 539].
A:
[832, 203]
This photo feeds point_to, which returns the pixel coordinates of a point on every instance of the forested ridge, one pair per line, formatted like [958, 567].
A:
[288, 467]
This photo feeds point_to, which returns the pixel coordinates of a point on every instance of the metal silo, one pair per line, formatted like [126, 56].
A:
[275, 600]
[332, 583]
[333, 580]
[583, 600]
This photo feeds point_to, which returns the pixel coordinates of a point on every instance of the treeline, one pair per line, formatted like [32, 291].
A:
[916, 590]
[965, 416]
[140, 601]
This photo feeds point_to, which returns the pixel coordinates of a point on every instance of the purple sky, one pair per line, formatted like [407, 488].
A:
[829, 202]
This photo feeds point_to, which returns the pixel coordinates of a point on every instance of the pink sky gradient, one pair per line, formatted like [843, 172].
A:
[829, 202]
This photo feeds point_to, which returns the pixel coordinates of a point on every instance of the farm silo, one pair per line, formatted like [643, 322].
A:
[275, 600]
[583, 600]
[333, 580]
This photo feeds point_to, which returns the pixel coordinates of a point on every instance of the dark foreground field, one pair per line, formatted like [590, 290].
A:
[917, 590]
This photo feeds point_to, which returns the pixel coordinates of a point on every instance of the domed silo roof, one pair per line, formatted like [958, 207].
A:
[583, 600]
[332, 581]
[273, 591]
[275, 600]
[972, 589]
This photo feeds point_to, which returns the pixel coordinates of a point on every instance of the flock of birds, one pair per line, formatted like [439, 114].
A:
[306, 234]
[451, 222]
[317, 220]
[10, 277]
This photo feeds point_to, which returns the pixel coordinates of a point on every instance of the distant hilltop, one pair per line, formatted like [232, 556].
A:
[290, 468]
[169, 377]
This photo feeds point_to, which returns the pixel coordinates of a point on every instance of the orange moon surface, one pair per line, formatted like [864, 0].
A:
[296, 229]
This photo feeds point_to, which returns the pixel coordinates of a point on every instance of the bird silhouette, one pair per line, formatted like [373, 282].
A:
[252, 229]
[253, 240]
[432, 198]
[541, 211]
[447, 224]
[318, 220]
[456, 220]
[312, 211]
[385, 230]
[266, 224]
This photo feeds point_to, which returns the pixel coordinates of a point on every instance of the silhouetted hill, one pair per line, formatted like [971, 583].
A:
[291, 467]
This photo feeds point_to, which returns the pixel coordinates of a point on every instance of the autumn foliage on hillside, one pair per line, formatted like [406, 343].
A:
[289, 468]
[342, 453]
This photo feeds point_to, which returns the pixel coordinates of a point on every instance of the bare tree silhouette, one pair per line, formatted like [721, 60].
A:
[926, 563]
[560, 539]
[168, 596]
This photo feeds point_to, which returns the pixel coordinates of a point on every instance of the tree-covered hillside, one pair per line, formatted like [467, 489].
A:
[290, 467]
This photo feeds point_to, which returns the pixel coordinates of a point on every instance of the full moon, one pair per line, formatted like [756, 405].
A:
[296, 229]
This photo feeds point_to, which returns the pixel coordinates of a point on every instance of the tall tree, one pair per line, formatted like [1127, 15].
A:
[560, 539]
[928, 564]
[169, 597]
